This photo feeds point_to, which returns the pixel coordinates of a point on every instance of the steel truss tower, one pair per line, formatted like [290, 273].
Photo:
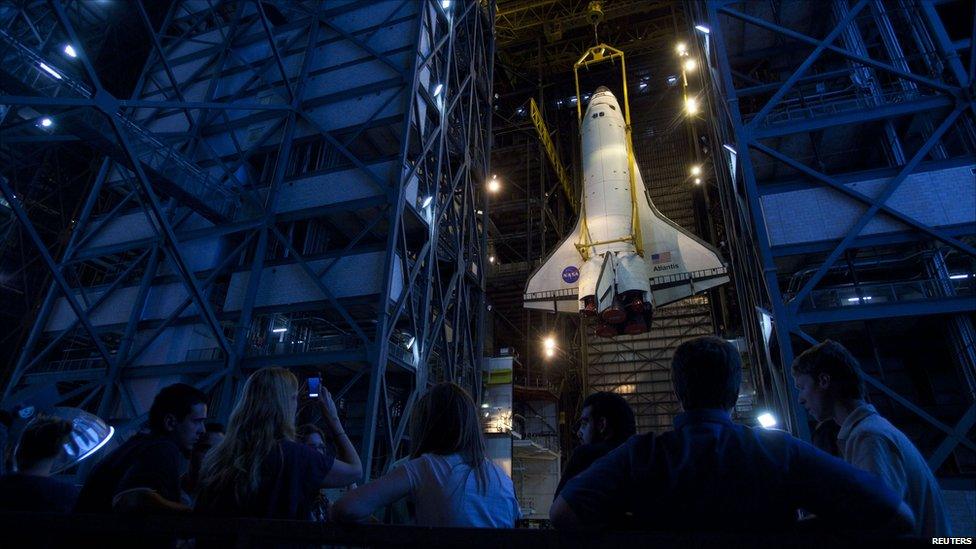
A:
[845, 155]
[292, 184]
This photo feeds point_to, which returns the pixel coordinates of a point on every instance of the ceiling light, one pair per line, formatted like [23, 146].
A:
[491, 259]
[550, 353]
[697, 181]
[427, 201]
[479, 212]
[49, 70]
[696, 170]
[494, 186]
[549, 343]
[767, 420]
[730, 148]
[279, 330]
[855, 299]
[681, 48]
[690, 65]
[445, 4]
[410, 342]
[959, 276]
[484, 405]
[691, 105]
[437, 90]
[69, 50]
[46, 122]
[703, 29]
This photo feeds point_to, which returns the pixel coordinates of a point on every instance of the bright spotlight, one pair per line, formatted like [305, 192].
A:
[410, 342]
[549, 343]
[696, 170]
[681, 48]
[767, 420]
[550, 353]
[437, 90]
[46, 122]
[427, 201]
[279, 330]
[703, 29]
[69, 50]
[697, 181]
[491, 259]
[484, 405]
[690, 65]
[494, 185]
[691, 105]
[445, 4]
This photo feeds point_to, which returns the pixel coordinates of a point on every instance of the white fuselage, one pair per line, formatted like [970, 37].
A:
[607, 199]
[608, 202]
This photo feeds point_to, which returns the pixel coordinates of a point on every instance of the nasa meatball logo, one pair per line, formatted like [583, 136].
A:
[570, 274]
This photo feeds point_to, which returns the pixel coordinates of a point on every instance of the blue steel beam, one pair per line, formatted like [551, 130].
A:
[885, 239]
[956, 437]
[854, 116]
[889, 188]
[807, 63]
[59, 279]
[934, 84]
[171, 246]
[48, 302]
[781, 312]
[935, 306]
[849, 191]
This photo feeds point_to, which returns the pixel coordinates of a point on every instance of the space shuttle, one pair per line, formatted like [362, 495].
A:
[624, 258]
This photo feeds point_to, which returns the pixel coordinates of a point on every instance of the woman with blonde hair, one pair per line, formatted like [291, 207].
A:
[450, 480]
[258, 470]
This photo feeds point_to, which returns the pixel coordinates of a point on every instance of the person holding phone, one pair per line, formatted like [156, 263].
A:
[259, 469]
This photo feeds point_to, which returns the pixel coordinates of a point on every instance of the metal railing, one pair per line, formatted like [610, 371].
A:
[891, 292]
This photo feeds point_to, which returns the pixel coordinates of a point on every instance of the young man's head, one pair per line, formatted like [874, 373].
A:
[313, 437]
[40, 444]
[825, 374]
[605, 416]
[179, 411]
[706, 373]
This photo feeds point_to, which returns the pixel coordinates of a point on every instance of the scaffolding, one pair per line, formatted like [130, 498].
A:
[291, 184]
[844, 151]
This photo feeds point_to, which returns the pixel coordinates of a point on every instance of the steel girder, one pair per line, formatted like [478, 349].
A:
[228, 86]
[750, 135]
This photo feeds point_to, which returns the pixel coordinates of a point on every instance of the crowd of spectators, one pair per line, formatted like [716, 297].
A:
[707, 473]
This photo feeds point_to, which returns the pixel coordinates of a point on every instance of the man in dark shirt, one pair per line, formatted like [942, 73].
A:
[711, 474]
[605, 423]
[143, 475]
[31, 488]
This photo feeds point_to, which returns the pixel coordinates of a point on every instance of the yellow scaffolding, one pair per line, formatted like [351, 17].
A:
[543, 131]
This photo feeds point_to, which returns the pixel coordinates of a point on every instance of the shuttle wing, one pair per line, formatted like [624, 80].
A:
[680, 263]
[554, 285]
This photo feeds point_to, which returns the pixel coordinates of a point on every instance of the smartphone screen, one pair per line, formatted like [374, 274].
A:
[314, 384]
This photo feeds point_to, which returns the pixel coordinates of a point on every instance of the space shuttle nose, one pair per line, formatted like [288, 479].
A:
[602, 89]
